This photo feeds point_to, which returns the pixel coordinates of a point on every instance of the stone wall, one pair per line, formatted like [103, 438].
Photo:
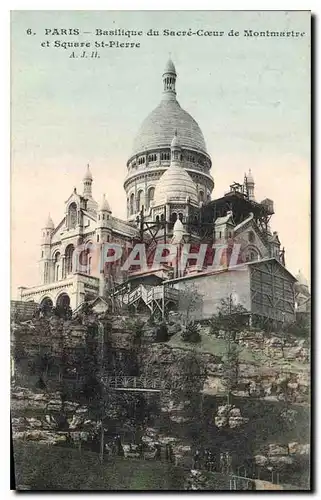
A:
[22, 310]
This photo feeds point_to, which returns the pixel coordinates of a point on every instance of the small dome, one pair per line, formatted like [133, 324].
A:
[175, 185]
[178, 232]
[104, 205]
[178, 227]
[175, 142]
[88, 175]
[302, 279]
[49, 223]
[170, 68]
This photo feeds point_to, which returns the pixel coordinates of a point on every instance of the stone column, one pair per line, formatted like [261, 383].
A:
[63, 266]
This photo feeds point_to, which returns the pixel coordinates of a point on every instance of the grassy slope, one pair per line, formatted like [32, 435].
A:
[44, 467]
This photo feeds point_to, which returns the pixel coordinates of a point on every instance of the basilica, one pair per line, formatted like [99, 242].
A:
[168, 188]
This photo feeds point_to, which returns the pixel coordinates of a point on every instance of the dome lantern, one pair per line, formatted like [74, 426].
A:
[250, 184]
[169, 81]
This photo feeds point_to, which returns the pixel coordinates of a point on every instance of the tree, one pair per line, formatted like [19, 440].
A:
[191, 333]
[162, 334]
[136, 327]
[190, 301]
[232, 318]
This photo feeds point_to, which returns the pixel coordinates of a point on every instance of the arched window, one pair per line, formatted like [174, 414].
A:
[157, 219]
[151, 193]
[140, 200]
[131, 203]
[162, 217]
[165, 156]
[69, 254]
[63, 301]
[180, 216]
[72, 215]
[174, 217]
[201, 196]
[56, 266]
[46, 305]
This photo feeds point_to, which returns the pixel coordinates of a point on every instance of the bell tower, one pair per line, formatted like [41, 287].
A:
[45, 260]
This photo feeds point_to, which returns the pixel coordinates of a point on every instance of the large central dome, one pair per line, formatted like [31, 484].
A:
[158, 128]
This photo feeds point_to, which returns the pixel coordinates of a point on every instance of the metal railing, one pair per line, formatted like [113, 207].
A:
[135, 383]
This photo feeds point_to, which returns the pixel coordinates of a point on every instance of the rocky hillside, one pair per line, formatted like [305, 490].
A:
[265, 417]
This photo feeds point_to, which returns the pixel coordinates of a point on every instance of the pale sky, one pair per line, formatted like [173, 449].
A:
[250, 96]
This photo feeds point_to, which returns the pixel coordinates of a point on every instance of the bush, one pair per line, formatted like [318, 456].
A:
[162, 333]
[191, 333]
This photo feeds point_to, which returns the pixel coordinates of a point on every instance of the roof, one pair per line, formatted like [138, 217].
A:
[104, 205]
[243, 223]
[123, 228]
[88, 175]
[238, 267]
[223, 220]
[170, 68]
[49, 223]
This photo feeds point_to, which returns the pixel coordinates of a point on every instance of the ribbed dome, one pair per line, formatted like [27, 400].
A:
[158, 128]
[175, 185]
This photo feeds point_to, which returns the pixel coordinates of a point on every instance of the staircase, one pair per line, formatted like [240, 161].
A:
[153, 296]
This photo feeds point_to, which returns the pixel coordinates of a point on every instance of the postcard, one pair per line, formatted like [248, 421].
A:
[160, 258]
